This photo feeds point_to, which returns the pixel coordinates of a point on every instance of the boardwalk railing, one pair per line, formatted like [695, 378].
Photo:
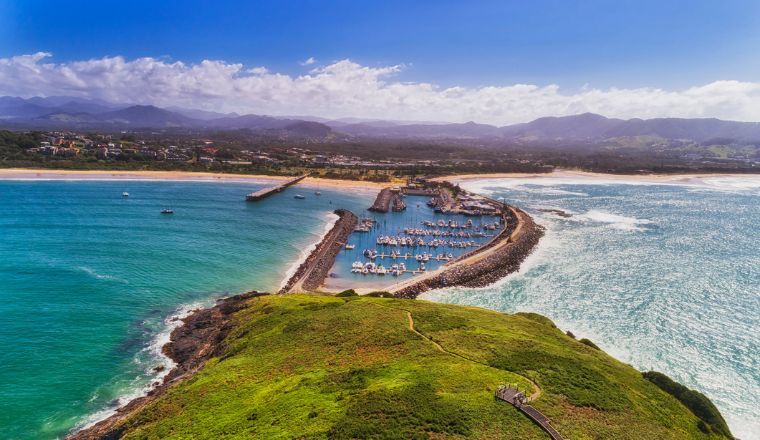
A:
[516, 398]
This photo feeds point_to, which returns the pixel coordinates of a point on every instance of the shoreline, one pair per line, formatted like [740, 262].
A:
[575, 174]
[30, 174]
[197, 339]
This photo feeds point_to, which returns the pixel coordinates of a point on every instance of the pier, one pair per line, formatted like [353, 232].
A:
[313, 271]
[266, 192]
[517, 399]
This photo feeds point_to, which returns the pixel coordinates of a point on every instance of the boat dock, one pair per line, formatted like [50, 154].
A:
[266, 192]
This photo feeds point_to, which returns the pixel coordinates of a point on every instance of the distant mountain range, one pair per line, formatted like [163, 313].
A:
[77, 113]
[71, 113]
[583, 127]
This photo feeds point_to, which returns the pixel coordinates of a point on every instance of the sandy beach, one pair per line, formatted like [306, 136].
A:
[49, 174]
[569, 174]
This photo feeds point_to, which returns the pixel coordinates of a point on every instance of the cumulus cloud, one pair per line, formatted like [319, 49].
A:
[308, 62]
[345, 88]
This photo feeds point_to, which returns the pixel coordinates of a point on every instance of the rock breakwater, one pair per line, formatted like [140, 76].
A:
[313, 271]
[488, 264]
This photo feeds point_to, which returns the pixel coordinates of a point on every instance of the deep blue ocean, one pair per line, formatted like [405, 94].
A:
[88, 279]
[665, 277]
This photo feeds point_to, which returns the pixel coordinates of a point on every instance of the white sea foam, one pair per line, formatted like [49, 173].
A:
[750, 183]
[93, 273]
[332, 218]
[614, 220]
[147, 359]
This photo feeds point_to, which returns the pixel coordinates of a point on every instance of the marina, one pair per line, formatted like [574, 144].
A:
[389, 247]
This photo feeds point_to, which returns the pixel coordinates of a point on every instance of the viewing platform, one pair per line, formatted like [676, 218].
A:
[266, 192]
[519, 401]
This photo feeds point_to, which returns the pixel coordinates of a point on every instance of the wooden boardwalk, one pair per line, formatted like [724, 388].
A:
[266, 192]
[516, 398]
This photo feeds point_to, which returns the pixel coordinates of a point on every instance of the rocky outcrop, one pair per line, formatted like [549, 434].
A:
[199, 339]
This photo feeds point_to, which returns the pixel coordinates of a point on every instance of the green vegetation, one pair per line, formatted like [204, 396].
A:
[347, 293]
[697, 402]
[297, 366]
[586, 341]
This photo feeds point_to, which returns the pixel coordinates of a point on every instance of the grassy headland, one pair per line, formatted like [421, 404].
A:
[296, 366]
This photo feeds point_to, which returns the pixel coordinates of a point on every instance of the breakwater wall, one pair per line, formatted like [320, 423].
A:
[382, 201]
[313, 271]
[486, 265]
[266, 192]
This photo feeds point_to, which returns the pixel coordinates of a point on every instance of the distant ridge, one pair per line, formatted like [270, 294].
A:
[70, 112]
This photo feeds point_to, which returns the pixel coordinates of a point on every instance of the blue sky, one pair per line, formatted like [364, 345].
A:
[600, 43]
[576, 46]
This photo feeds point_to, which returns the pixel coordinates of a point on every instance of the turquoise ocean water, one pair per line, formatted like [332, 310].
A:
[88, 279]
[661, 276]
[664, 277]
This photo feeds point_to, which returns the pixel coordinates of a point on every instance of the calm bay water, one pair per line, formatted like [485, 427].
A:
[88, 279]
[664, 277]
[393, 224]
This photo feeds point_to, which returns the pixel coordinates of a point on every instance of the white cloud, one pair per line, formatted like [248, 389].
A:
[308, 62]
[346, 88]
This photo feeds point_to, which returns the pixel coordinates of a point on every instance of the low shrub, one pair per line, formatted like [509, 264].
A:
[380, 294]
[586, 341]
[697, 402]
[347, 293]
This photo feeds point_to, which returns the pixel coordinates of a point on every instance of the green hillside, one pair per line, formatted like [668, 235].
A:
[357, 367]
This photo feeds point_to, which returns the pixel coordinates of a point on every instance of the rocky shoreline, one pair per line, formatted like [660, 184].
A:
[202, 334]
[199, 339]
[312, 272]
[488, 264]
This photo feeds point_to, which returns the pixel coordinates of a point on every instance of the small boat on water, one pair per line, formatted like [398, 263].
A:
[317, 193]
[350, 246]
[125, 194]
[299, 197]
[167, 211]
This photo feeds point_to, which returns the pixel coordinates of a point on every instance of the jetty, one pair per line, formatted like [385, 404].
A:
[387, 199]
[518, 400]
[266, 192]
[313, 271]
[382, 201]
